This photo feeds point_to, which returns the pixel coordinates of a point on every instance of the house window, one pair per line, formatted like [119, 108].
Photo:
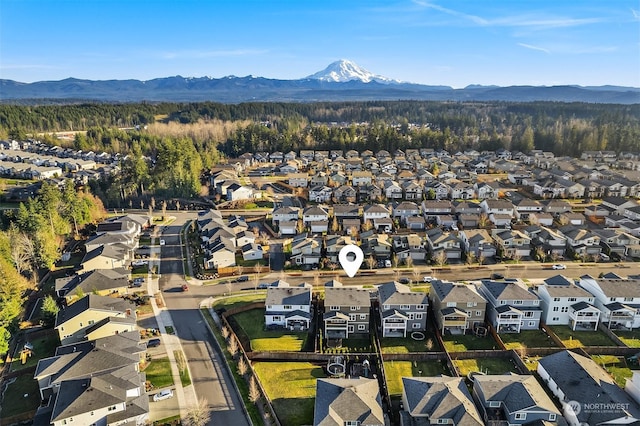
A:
[415, 325]
[556, 299]
[528, 314]
[478, 313]
[80, 324]
[352, 317]
[564, 309]
[361, 327]
[404, 307]
[612, 299]
[363, 316]
[572, 299]
[443, 421]
[334, 308]
[521, 416]
[418, 316]
[628, 299]
[420, 307]
[451, 304]
[517, 302]
[355, 308]
[386, 307]
[411, 316]
[469, 304]
[556, 318]
[91, 322]
[112, 408]
[287, 307]
[552, 417]
[532, 323]
[352, 423]
[555, 309]
[494, 404]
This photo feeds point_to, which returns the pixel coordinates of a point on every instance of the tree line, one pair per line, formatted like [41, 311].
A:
[31, 239]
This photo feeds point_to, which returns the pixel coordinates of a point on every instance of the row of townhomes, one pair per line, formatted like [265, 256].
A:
[575, 380]
[94, 376]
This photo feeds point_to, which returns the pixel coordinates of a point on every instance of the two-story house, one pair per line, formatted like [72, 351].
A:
[564, 303]
[617, 299]
[512, 244]
[282, 214]
[438, 400]
[402, 311]
[320, 194]
[478, 242]
[348, 402]
[298, 180]
[404, 210]
[288, 307]
[510, 306]
[346, 312]
[446, 243]
[306, 250]
[457, 307]
[102, 282]
[581, 241]
[513, 400]
[81, 318]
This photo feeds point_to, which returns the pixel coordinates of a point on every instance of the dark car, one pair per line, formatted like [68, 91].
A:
[404, 280]
[496, 276]
[243, 278]
[152, 343]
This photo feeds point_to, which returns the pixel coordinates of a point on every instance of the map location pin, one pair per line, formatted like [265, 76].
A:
[352, 263]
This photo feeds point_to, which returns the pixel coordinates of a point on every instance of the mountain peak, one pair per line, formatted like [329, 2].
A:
[345, 70]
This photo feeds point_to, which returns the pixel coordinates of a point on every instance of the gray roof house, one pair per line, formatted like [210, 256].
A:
[511, 307]
[513, 399]
[401, 310]
[437, 400]
[342, 402]
[346, 312]
[456, 306]
[288, 307]
[579, 383]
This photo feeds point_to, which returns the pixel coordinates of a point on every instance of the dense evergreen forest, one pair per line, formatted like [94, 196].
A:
[564, 128]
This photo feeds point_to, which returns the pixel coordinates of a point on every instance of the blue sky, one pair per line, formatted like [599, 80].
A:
[449, 42]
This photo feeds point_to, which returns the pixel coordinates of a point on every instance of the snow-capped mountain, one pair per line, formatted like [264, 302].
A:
[344, 70]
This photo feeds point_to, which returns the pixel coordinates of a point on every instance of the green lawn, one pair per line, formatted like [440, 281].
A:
[579, 339]
[43, 347]
[396, 370]
[399, 345]
[252, 323]
[527, 339]
[158, 372]
[630, 338]
[468, 342]
[15, 402]
[485, 365]
[291, 386]
[615, 366]
[235, 301]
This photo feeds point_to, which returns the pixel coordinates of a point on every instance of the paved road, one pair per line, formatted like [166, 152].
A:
[209, 377]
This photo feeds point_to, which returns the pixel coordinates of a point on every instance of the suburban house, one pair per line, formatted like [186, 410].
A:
[512, 244]
[282, 214]
[404, 210]
[581, 241]
[122, 242]
[346, 312]
[514, 400]
[437, 400]
[348, 402]
[315, 214]
[105, 257]
[239, 192]
[298, 180]
[288, 307]
[82, 317]
[333, 244]
[252, 251]
[457, 307]
[551, 242]
[96, 382]
[102, 282]
[220, 253]
[564, 303]
[578, 381]
[306, 250]
[443, 245]
[478, 242]
[617, 299]
[402, 311]
[411, 245]
[320, 194]
[511, 307]
[373, 212]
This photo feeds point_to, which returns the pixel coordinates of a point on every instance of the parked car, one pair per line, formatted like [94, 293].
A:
[496, 276]
[263, 286]
[165, 394]
[427, 279]
[559, 266]
[152, 343]
[404, 280]
[139, 263]
[162, 242]
[242, 278]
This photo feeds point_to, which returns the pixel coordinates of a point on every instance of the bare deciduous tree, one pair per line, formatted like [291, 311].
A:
[408, 261]
[471, 258]
[371, 262]
[242, 366]
[198, 415]
[440, 258]
[254, 392]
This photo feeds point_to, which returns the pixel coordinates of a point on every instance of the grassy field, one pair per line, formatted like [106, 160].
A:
[252, 323]
[527, 339]
[158, 372]
[396, 370]
[468, 342]
[485, 365]
[14, 401]
[235, 301]
[630, 338]
[398, 345]
[291, 386]
[615, 366]
[579, 339]
[43, 347]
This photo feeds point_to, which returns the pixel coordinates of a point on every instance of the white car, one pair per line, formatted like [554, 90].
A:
[165, 394]
[427, 279]
[162, 242]
[559, 266]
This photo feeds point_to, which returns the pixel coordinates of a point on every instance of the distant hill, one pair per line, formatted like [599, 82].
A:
[340, 81]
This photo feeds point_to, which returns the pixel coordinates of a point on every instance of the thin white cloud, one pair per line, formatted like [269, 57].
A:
[199, 54]
[532, 47]
[517, 21]
[636, 14]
